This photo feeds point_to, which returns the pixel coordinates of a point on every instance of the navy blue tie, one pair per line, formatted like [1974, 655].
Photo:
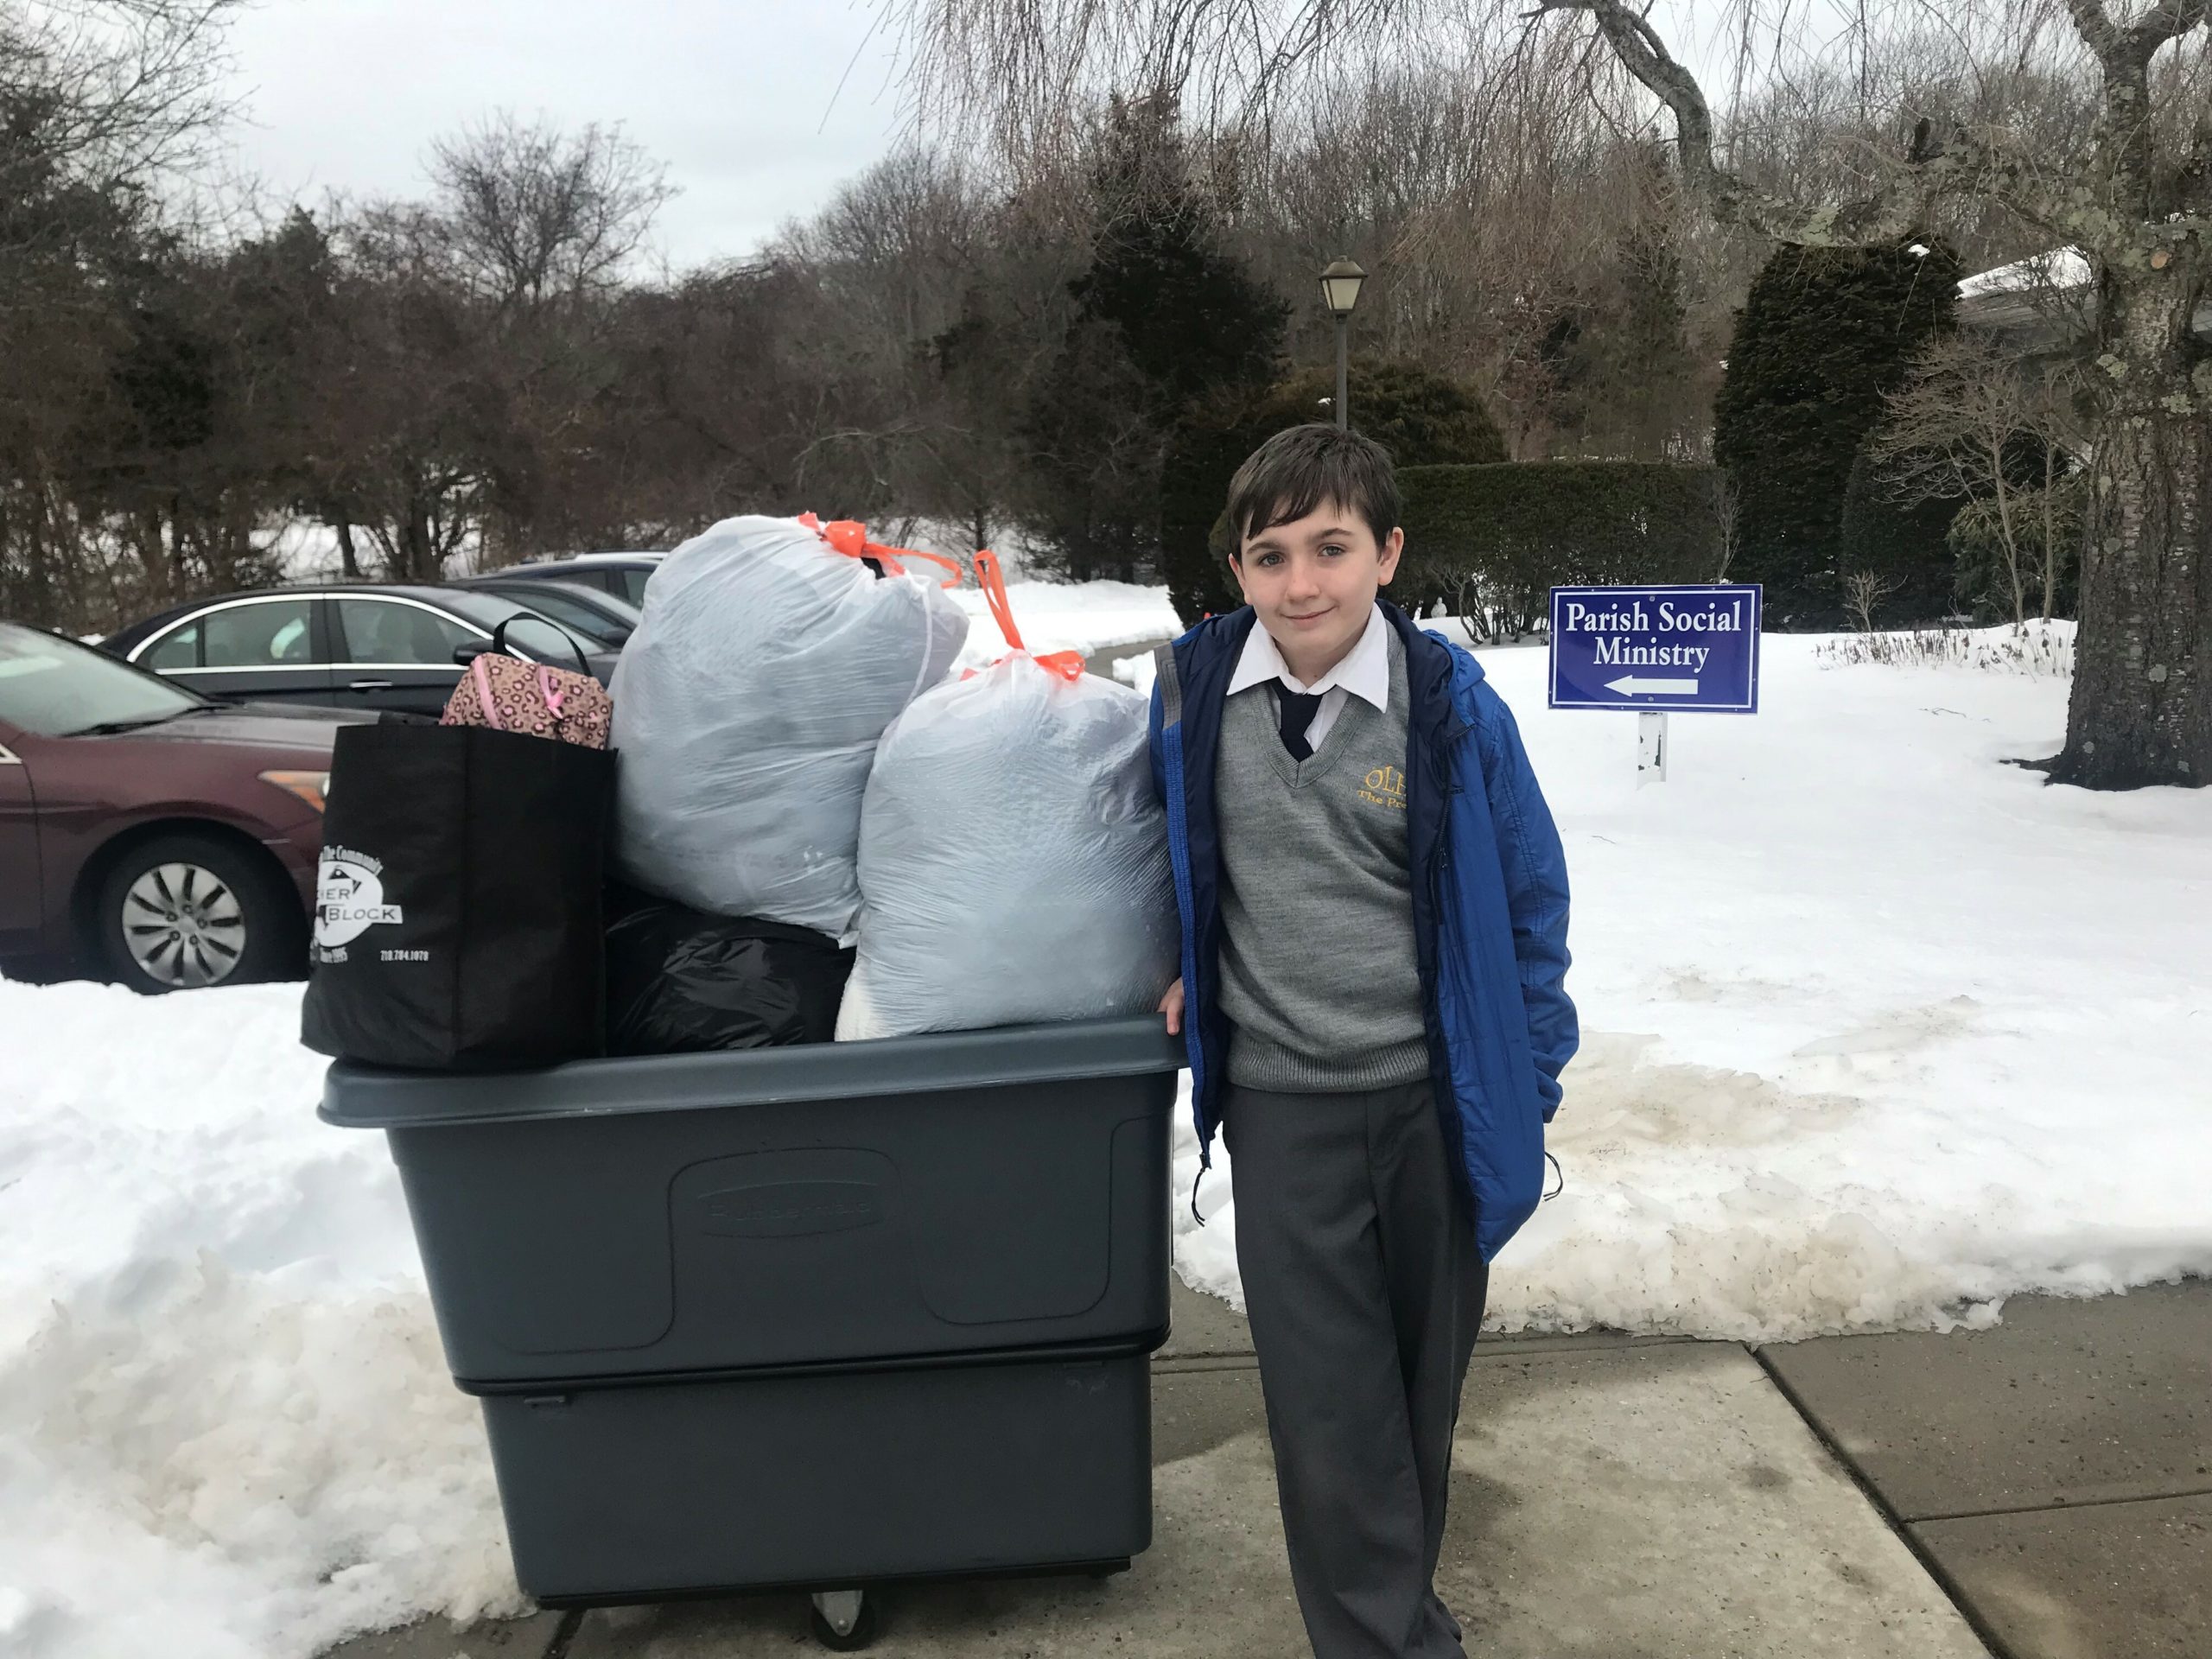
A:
[1297, 709]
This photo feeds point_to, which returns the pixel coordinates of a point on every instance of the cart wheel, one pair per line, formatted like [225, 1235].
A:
[844, 1620]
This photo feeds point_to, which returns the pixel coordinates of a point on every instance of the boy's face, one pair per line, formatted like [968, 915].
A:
[1313, 582]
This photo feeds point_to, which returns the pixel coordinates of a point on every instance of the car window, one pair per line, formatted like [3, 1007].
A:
[392, 635]
[179, 649]
[634, 585]
[530, 632]
[579, 616]
[586, 576]
[54, 687]
[262, 635]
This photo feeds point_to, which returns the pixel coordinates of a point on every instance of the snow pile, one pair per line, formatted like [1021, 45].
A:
[1090, 617]
[2058, 268]
[1880, 1030]
[226, 1428]
[1140, 671]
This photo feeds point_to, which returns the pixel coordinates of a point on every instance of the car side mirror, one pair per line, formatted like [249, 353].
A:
[618, 635]
[464, 655]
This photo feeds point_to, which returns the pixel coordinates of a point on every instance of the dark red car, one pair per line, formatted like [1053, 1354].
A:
[148, 834]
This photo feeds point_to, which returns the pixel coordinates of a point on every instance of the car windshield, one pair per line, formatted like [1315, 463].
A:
[53, 687]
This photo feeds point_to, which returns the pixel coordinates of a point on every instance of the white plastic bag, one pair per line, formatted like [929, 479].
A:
[1013, 859]
[746, 710]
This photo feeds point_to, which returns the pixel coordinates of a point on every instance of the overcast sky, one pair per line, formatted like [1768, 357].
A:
[729, 94]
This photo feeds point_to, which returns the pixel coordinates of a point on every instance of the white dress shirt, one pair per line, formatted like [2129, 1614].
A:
[1364, 673]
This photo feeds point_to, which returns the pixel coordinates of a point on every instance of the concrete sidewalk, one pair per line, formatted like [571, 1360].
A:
[2038, 1490]
[2054, 1473]
[1637, 1499]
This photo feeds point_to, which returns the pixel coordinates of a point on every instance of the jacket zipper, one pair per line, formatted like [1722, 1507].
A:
[1440, 765]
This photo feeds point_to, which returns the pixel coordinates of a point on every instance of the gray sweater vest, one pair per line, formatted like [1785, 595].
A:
[1318, 976]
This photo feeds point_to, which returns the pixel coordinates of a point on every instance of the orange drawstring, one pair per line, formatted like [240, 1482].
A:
[849, 538]
[992, 580]
[1068, 664]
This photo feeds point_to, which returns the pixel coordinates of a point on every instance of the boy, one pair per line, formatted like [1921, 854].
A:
[1374, 907]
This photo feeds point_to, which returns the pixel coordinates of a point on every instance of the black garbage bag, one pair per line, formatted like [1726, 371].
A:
[682, 982]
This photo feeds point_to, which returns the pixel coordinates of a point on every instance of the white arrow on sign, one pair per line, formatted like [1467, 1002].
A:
[1629, 685]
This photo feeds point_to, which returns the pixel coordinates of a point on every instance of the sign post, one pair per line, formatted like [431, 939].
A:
[1650, 748]
[1656, 651]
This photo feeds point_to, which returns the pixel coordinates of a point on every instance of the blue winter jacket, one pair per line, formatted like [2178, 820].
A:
[1489, 901]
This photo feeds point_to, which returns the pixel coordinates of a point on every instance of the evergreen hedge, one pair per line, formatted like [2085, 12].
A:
[1419, 417]
[1823, 334]
[1903, 546]
[1502, 535]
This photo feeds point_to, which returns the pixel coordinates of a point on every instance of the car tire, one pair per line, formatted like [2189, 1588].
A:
[182, 911]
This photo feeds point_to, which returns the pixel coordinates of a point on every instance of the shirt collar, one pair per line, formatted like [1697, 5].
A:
[1364, 672]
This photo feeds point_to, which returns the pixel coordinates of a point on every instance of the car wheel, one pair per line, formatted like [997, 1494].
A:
[182, 911]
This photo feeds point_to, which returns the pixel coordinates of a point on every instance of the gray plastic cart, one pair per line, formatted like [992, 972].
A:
[817, 1318]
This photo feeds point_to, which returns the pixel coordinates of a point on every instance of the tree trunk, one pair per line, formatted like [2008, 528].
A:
[179, 565]
[2141, 712]
[415, 542]
[43, 606]
[349, 559]
[237, 537]
[2008, 529]
[153, 555]
[2050, 523]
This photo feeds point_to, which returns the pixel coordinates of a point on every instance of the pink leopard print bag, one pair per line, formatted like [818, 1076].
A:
[509, 695]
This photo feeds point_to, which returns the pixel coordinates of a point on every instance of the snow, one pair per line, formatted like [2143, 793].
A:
[226, 1427]
[1090, 617]
[307, 552]
[2059, 268]
[1879, 1031]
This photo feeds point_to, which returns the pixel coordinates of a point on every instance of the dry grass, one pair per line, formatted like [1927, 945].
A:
[2037, 648]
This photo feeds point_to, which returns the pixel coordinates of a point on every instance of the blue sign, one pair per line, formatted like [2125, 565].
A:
[1657, 649]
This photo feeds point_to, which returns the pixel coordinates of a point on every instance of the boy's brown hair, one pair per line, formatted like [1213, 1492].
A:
[1295, 471]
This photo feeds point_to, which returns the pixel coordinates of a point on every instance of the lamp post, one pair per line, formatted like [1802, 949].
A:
[1340, 283]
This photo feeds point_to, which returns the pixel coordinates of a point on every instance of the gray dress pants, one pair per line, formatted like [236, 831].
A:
[1365, 1291]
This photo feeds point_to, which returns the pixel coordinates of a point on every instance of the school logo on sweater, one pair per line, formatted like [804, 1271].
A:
[1385, 786]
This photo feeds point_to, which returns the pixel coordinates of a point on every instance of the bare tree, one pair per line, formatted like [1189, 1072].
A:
[2133, 191]
[527, 212]
[411, 420]
[1957, 429]
[95, 96]
[105, 91]
[1500, 208]
[1727, 517]
[1863, 593]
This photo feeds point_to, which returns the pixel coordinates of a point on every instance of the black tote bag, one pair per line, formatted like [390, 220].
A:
[459, 917]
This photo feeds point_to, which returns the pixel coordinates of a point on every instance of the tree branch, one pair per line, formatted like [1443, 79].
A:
[2095, 27]
[2167, 20]
[2128, 51]
[1889, 213]
[2124, 126]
